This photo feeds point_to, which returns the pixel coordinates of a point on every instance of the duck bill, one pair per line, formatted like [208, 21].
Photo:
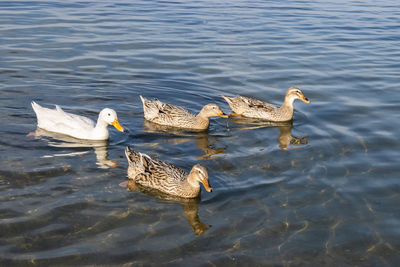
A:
[207, 185]
[304, 99]
[117, 126]
[223, 115]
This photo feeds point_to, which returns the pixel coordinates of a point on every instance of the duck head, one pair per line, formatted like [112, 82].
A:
[294, 93]
[199, 174]
[110, 117]
[212, 110]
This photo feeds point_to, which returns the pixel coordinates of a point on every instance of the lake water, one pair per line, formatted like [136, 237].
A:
[322, 191]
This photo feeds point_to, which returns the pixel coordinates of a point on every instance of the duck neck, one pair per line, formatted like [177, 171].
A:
[287, 106]
[190, 186]
[202, 120]
[101, 129]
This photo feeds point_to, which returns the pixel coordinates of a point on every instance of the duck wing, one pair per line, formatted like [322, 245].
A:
[163, 171]
[75, 121]
[173, 111]
[254, 103]
[157, 111]
[58, 120]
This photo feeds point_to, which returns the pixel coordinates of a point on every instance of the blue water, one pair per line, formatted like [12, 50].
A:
[321, 191]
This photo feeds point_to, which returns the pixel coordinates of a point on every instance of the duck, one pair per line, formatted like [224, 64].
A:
[176, 116]
[254, 108]
[58, 121]
[165, 177]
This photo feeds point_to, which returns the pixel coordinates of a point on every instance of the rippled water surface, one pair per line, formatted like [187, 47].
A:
[323, 190]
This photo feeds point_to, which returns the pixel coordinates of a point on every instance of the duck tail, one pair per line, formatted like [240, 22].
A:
[131, 155]
[151, 108]
[143, 99]
[35, 106]
[227, 99]
[146, 107]
[139, 161]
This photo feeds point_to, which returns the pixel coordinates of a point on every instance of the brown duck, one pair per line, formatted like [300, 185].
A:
[175, 116]
[254, 108]
[164, 176]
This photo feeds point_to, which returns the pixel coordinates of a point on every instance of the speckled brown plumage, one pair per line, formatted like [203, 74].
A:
[171, 115]
[164, 176]
[254, 108]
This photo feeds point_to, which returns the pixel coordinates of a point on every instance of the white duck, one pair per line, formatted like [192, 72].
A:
[59, 121]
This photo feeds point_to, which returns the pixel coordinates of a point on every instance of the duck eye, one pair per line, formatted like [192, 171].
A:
[109, 114]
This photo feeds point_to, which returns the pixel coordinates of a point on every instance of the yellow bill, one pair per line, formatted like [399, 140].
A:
[223, 115]
[304, 99]
[117, 126]
[206, 185]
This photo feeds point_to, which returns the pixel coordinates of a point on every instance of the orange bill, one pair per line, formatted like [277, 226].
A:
[123, 184]
[304, 99]
[223, 115]
[207, 185]
[117, 126]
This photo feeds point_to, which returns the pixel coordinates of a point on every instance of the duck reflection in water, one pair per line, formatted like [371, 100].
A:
[285, 140]
[190, 205]
[201, 138]
[63, 141]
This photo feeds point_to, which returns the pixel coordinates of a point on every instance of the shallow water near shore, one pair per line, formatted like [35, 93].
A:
[322, 190]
